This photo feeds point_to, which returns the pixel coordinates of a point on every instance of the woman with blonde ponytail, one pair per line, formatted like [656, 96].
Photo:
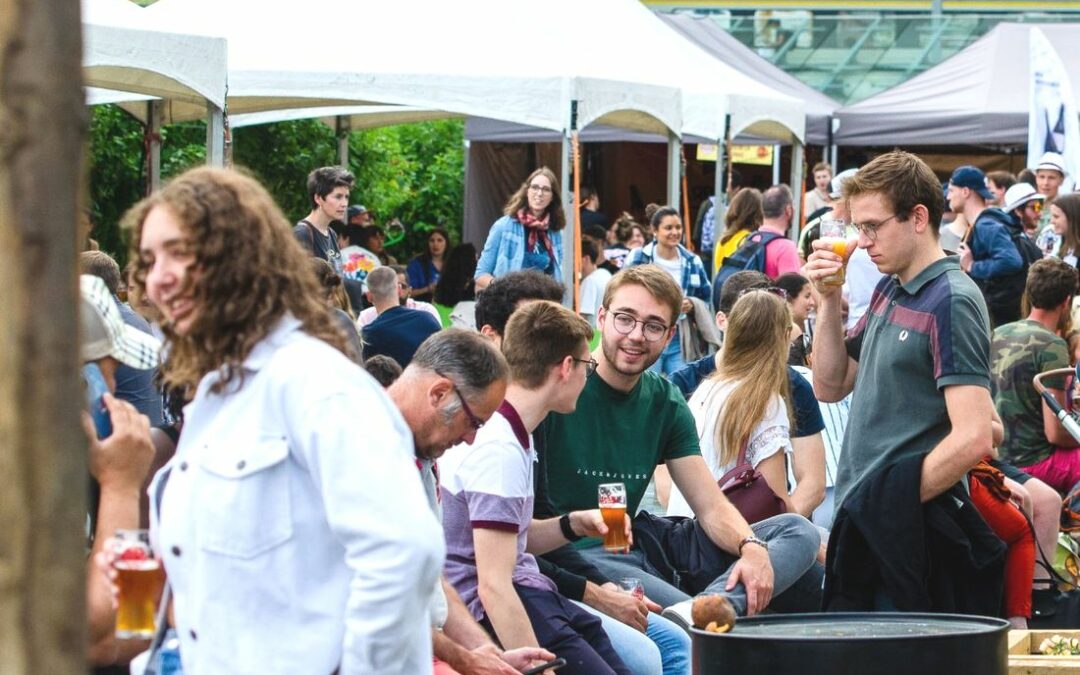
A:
[745, 402]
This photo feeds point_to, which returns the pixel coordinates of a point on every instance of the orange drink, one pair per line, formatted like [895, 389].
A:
[834, 233]
[612, 498]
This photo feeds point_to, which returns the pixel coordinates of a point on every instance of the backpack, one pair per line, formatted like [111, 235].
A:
[1004, 293]
[749, 256]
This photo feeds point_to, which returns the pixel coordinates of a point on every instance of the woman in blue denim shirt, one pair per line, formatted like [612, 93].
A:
[684, 267]
[529, 235]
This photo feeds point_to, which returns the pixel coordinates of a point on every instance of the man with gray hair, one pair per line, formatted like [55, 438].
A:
[397, 331]
[781, 255]
[454, 384]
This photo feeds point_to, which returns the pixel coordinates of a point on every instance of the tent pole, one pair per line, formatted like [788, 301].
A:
[153, 145]
[570, 232]
[344, 126]
[576, 147]
[674, 169]
[798, 187]
[834, 126]
[215, 136]
[776, 164]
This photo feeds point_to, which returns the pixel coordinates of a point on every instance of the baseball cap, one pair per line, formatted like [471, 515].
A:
[1018, 195]
[1053, 161]
[104, 332]
[355, 210]
[836, 185]
[973, 178]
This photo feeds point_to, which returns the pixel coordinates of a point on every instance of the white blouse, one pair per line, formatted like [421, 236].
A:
[770, 436]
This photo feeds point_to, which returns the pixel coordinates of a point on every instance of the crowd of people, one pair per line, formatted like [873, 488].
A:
[401, 475]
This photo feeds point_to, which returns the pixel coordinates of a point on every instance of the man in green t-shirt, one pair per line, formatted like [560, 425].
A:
[628, 421]
[1020, 351]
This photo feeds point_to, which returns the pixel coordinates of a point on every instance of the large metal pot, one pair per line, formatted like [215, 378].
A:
[856, 643]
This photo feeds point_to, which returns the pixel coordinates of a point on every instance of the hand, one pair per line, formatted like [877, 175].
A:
[687, 306]
[591, 524]
[618, 604]
[966, 258]
[123, 459]
[755, 573]
[523, 658]
[821, 264]
[488, 660]
[104, 560]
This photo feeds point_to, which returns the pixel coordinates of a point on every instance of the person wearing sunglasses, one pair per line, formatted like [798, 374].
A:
[529, 234]
[1025, 204]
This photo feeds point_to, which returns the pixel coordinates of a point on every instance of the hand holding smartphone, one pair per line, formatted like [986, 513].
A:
[550, 665]
[95, 399]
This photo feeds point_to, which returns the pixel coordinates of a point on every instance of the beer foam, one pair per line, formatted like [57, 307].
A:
[137, 565]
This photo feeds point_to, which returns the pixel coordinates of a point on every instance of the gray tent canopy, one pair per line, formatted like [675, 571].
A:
[979, 96]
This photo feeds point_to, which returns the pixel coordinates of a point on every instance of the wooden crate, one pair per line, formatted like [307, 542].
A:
[1024, 657]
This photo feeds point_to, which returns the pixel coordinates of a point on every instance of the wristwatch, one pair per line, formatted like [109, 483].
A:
[753, 540]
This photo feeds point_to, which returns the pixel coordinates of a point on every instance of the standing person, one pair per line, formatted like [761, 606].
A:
[594, 279]
[1065, 223]
[590, 208]
[1049, 175]
[287, 539]
[781, 255]
[685, 269]
[628, 421]
[743, 216]
[490, 532]
[819, 197]
[999, 183]
[396, 331]
[423, 270]
[988, 254]
[328, 189]
[926, 335]
[529, 235]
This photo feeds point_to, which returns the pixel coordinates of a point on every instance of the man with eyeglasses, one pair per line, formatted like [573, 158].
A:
[918, 365]
[396, 331]
[630, 420]
[491, 534]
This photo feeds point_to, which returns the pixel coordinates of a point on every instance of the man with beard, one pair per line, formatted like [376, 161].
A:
[448, 369]
[626, 423]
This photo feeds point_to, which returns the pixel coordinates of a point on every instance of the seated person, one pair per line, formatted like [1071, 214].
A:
[397, 331]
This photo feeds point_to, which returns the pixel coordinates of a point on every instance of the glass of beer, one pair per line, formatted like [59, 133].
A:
[140, 579]
[633, 586]
[835, 232]
[613, 510]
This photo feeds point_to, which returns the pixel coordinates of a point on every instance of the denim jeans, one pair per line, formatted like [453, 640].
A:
[793, 546]
[663, 648]
[671, 359]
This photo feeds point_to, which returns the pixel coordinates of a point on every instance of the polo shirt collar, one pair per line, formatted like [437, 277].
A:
[511, 414]
[931, 272]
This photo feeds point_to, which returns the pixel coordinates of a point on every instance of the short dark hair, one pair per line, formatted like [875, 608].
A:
[775, 200]
[590, 250]
[904, 181]
[737, 283]
[323, 180]
[792, 283]
[497, 302]
[660, 213]
[1050, 282]
[1026, 176]
[1003, 179]
[539, 336]
[100, 264]
[383, 368]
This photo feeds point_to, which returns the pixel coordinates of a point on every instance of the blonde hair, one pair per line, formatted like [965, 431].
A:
[754, 358]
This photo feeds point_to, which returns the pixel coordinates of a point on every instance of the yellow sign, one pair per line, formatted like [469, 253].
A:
[740, 154]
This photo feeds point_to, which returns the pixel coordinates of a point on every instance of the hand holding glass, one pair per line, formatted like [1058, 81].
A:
[841, 242]
[612, 497]
[140, 579]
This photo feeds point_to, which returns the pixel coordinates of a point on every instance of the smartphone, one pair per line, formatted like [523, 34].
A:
[553, 665]
[95, 399]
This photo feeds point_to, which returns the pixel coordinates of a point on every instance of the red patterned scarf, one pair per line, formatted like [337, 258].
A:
[536, 228]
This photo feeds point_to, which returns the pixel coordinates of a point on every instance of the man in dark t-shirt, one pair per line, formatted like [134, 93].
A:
[397, 331]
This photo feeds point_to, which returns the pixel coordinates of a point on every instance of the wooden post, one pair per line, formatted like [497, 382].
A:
[43, 477]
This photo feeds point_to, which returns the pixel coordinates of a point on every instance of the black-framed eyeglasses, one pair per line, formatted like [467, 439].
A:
[589, 363]
[774, 290]
[542, 189]
[871, 229]
[652, 331]
[475, 422]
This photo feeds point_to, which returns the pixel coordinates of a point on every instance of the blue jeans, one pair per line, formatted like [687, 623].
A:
[664, 647]
[671, 359]
[793, 546]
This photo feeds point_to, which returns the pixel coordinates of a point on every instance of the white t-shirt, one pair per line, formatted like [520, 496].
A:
[770, 436]
[861, 278]
[672, 267]
[592, 293]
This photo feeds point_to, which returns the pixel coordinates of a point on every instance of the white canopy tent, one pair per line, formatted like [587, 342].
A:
[979, 96]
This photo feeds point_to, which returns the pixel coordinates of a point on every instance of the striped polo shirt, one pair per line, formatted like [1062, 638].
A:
[916, 339]
[489, 485]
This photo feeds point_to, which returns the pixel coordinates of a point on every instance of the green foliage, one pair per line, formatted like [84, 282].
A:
[411, 172]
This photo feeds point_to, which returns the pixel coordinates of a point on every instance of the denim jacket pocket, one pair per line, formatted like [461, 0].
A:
[246, 507]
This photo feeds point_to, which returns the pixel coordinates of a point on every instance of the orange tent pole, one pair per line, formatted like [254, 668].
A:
[576, 145]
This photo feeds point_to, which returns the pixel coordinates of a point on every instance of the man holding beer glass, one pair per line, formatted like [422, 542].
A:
[488, 500]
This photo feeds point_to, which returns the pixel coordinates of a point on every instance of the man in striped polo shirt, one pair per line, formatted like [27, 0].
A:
[918, 362]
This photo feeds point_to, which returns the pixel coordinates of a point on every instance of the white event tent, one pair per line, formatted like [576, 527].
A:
[979, 96]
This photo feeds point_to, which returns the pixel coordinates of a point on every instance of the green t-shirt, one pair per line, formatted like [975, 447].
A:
[614, 437]
[1020, 351]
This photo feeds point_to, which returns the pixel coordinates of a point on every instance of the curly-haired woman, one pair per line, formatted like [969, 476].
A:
[287, 537]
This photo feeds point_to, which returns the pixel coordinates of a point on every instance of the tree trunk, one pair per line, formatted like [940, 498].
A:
[43, 478]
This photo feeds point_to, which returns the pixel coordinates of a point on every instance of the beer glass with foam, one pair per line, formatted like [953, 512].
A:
[140, 579]
[612, 499]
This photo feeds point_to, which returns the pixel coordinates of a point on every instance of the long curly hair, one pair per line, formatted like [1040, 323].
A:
[251, 273]
[520, 199]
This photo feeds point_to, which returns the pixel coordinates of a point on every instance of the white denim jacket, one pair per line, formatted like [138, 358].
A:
[293, 525]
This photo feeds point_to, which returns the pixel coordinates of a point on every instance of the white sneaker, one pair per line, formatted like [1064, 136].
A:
[679, 613]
